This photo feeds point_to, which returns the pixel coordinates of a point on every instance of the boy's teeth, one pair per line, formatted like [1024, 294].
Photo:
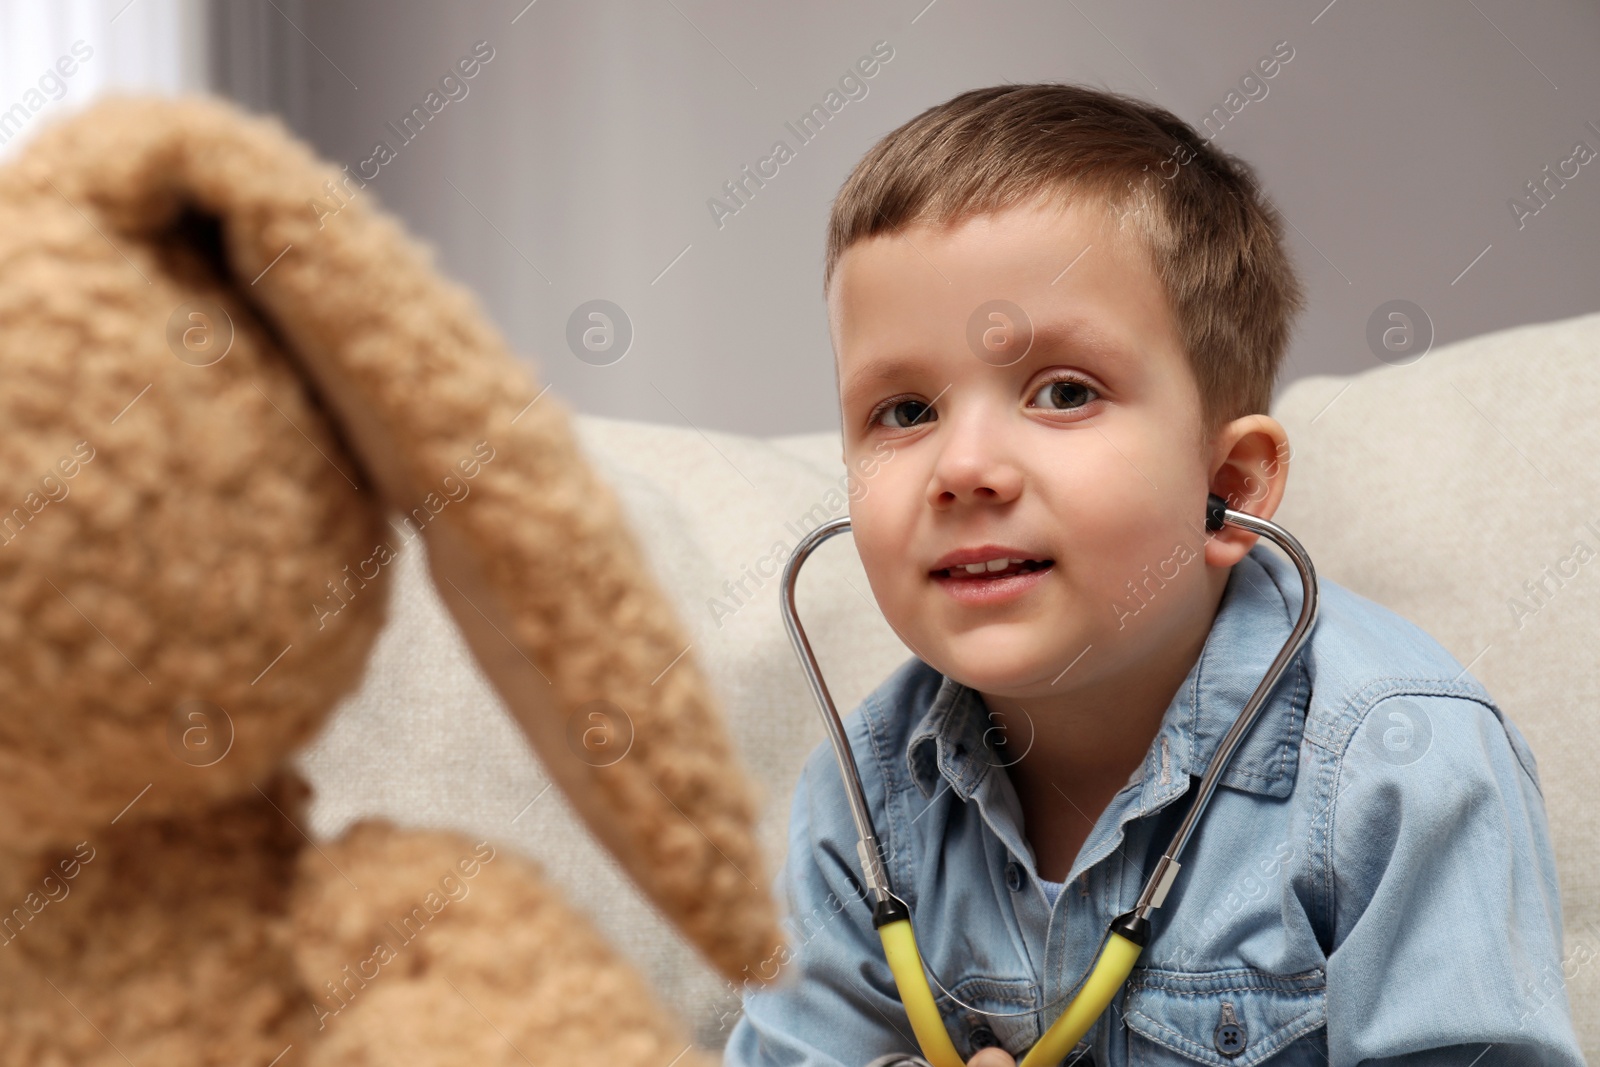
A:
[991, 565]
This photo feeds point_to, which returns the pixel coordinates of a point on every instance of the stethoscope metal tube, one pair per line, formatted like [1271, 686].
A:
[867, 843]
[1217, 513]
[1128, 932]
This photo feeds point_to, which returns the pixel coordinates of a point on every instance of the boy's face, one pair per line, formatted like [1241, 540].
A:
[1082, 447]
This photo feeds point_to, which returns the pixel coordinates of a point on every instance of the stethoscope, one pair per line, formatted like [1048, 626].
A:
[1129, 932]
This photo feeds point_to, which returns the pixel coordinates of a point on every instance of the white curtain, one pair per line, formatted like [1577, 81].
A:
[56, 55]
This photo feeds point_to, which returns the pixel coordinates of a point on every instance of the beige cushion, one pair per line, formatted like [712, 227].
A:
[1454, 520]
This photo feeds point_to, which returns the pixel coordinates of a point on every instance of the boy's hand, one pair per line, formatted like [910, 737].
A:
[992, 1057]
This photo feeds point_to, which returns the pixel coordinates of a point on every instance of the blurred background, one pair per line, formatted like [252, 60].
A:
[597, 153]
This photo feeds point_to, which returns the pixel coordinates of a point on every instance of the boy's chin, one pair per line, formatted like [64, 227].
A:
[1011, 669]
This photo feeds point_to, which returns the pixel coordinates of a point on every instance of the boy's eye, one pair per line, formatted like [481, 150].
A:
[904, 414]
[1065, 394]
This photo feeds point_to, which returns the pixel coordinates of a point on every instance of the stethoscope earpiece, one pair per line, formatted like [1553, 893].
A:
[1216, 512]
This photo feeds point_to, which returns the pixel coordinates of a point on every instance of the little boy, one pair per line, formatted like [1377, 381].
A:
[1061, 313]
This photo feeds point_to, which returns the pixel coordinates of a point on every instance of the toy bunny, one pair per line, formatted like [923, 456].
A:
[219, 404]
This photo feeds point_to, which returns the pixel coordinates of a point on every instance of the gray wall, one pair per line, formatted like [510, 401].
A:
[580, 163]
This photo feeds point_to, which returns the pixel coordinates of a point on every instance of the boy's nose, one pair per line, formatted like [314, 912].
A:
[979, 449]
[974, 469]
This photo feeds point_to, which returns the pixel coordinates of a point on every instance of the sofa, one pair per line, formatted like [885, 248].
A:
[1461, 490]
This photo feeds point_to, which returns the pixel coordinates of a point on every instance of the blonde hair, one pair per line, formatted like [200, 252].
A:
[1214, 238]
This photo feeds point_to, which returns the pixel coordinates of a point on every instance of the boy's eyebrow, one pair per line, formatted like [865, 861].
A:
[886, 369]
[1048, 337]
[1079, 333]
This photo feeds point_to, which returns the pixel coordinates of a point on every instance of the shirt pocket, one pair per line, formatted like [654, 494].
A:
[1014, 1027]
[1226, 1018]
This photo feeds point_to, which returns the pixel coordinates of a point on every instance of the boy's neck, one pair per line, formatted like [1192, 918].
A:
[1087, 742]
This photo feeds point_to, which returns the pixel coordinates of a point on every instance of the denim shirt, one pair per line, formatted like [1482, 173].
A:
[1372, 881]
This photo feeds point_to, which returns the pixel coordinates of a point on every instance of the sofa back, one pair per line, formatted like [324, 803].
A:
[1449, 490]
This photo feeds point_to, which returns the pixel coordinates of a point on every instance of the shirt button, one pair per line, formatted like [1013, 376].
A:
[983, 1037]
[1013, 876]
[1229, 1036]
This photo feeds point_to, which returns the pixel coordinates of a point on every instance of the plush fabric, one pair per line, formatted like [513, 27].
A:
[196, 550]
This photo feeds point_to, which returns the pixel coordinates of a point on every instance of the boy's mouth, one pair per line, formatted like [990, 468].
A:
[991, 569]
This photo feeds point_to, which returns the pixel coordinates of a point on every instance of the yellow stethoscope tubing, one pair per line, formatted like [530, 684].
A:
[1118, 953]
[1111, 968]
[905, 963]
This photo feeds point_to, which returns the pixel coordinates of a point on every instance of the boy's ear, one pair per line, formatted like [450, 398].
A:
[1249, 469]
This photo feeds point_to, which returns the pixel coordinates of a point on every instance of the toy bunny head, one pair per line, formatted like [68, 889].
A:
[224, 408]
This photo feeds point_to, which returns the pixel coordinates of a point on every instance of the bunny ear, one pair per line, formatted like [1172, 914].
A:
[536, 564]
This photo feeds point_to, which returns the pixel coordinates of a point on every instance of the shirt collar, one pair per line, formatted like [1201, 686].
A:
[952, 738]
